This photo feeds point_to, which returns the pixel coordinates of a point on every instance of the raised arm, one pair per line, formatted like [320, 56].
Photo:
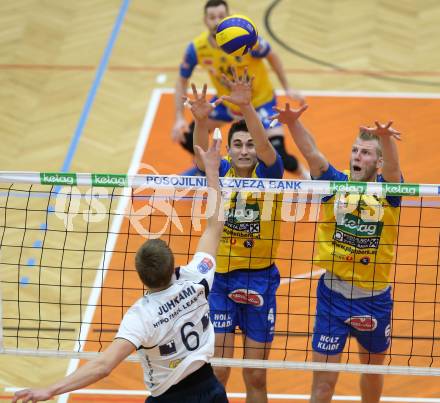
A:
[180, 124]
[89, 373]
[200, 109]
[241, 95]
[277, 66]
[391, 166]
[210, 238]
[305, 142]
[186, 68]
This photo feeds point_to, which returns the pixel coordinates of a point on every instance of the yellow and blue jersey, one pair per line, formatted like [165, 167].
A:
[216, 63]
[252, 223]
[357, 234]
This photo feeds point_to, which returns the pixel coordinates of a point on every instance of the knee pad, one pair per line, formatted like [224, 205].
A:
[187, 143]
[289, 161]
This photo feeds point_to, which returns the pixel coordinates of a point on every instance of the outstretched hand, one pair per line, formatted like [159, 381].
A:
[200, 107]
[240, 87]
[383, 130]
[288, 116]
[31, 395]
[296, 96]
[211, 158]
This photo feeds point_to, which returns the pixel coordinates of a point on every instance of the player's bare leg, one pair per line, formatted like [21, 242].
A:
[324, 382]
[224, 348]
[255, 379]
[371, 384]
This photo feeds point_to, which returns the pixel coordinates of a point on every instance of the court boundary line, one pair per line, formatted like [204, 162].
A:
[346, 94]
[141, 144]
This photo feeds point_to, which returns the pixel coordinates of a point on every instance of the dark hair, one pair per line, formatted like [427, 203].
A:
[239, 126]
[155, 263]
[216, 3]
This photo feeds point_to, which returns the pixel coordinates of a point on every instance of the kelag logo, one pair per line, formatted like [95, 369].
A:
[55, 178]
[107, 180]
[348, 187]
[356, 226]
[400, 189]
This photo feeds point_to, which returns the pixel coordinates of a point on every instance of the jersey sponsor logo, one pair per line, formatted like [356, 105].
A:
[243, 216]
[244, 296]
[174, 363]
[354, 231]
[168, 348]
[365, 260]
[363, 323]
[205, 265]
[360, 243]
[356, 226]
[249, 243]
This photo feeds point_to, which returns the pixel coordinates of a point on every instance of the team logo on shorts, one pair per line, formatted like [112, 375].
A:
[205, 265]
[363, 323]
[244, 296]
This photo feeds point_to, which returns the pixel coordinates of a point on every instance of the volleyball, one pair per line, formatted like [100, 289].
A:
[236, 35]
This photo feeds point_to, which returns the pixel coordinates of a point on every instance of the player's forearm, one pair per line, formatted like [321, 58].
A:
[201, 139]
[263, 147]
[255, 126]
[214, 222]
[391, 165]
[180, 91]
[90, 373]
[302, 138]
[307, 146]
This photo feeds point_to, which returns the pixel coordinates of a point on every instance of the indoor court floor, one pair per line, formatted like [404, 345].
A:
[87, 86]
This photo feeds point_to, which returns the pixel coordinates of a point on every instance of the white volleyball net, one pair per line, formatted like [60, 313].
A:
[67, 260]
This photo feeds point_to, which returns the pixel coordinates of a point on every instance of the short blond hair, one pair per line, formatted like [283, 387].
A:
[367, 136]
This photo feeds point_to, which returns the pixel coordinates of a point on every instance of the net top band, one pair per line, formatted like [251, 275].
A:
[238, 184]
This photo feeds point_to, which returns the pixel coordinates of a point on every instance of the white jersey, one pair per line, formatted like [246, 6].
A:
[171, 329]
